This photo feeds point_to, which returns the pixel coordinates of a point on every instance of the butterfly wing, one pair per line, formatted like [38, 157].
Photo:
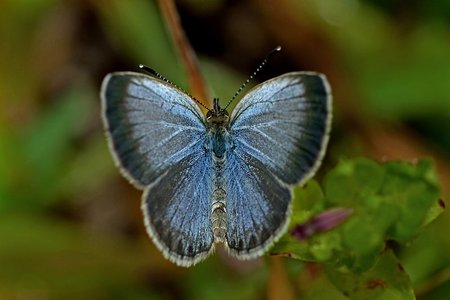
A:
[157, 136]
[280, 132]
[177, 209]
[150, 125]
[257, 205]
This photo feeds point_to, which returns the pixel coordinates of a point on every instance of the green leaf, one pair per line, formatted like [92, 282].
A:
[387, 280]
[390, 201]
[433, 212]
[352, 181]
[307, 199]
[291, 247]
[413, 190]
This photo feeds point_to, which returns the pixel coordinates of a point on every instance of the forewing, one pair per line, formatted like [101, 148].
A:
[177, 209]
[284, 124]
[150, 124]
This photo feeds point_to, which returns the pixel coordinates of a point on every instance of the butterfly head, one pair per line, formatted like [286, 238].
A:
[217, 116]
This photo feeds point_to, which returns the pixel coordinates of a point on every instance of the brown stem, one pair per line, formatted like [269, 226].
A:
[188, 57]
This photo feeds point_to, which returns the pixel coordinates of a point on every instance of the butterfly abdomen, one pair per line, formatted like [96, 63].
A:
[219, 215]
[219, 194]
[218, 207]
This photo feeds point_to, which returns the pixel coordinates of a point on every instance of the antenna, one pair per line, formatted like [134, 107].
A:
[156, 74]
[259, 68]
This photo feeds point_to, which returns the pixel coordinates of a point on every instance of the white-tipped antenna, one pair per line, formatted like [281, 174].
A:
[154, 73]
[274, 51]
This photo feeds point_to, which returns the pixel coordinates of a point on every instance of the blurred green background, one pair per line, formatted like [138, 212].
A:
[70, 225]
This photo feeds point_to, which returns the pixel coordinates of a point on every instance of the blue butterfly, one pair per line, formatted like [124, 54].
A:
[220, 178]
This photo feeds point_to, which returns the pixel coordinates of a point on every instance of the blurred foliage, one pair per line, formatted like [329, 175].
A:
[71, 227]
[391, 202]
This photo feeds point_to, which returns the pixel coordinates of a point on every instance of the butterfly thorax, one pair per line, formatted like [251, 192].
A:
[218, 123]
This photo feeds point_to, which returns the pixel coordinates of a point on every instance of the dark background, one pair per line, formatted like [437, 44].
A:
[70, 225]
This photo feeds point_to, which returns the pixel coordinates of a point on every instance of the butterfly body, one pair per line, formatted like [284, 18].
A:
[217, 178]
[217, 126]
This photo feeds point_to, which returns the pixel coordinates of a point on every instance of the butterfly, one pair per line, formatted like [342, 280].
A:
[220, 178]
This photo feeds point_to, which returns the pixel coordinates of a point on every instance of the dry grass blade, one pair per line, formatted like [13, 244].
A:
[188, 57]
